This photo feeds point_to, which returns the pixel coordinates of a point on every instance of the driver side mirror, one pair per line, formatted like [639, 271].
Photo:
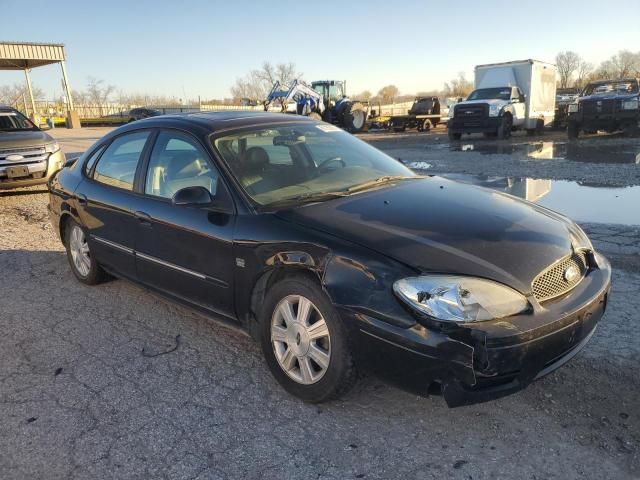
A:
[192, 196]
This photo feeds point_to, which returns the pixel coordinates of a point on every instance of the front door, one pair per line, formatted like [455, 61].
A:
[186, 251]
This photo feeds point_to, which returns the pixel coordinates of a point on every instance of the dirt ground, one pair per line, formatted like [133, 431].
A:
[78, 399]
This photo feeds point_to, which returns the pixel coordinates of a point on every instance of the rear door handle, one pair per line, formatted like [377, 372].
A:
[144, 218]
[82, 199]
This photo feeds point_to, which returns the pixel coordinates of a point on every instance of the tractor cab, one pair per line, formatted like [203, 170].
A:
[331, 90]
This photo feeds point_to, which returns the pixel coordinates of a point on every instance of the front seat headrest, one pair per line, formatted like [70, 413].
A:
[255, 159]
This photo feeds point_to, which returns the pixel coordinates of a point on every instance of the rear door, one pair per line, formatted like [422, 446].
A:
[185, 251]
[106, 202]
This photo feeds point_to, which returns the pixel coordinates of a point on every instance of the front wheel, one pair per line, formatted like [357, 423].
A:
[305, 342]
[454, 136]
[504, 130]
[83, 264]
[573, 131]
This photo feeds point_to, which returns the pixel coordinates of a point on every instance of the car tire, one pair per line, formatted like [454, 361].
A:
[573, 131]
[291, 351]
[83, 264]
[631, 130]
[504, 130]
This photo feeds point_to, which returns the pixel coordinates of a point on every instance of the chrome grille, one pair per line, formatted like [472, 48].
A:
[552, 283]
[28, 154]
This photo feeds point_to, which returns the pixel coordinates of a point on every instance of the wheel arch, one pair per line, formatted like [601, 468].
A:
[266, 280]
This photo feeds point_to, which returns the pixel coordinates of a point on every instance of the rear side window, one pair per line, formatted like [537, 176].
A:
[92, 160]
[118, 164]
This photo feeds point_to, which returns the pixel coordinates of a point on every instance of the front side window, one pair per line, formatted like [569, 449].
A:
[178, 161]
[118, 164]
[322, 160]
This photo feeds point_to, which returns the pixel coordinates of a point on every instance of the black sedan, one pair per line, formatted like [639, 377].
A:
[142, 112]
[333, 255]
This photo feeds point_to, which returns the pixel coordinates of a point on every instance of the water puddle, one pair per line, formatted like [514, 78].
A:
[580, 201]
[574, 151]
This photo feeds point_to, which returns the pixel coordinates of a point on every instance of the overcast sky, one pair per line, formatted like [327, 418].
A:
[192, 48]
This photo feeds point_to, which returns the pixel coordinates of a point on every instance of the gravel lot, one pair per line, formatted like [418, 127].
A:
[78, 399]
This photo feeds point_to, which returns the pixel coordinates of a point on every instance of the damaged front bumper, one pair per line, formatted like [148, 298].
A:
[477, 362]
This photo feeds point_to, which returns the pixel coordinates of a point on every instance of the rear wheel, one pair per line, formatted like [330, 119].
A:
[426, 125]
[305, 342]
[82, 263]
[355, 117]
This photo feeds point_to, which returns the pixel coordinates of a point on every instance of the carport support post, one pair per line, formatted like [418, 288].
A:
[73, 120]
[33, 103]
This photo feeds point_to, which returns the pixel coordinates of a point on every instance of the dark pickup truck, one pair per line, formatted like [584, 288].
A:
[608, 105]
[423, 114]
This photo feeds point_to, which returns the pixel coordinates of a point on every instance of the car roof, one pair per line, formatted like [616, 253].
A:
[215, 121]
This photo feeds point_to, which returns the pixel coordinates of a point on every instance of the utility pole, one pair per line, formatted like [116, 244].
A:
[33, 103]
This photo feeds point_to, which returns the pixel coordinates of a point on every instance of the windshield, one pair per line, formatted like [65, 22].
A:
[622, 87]
[491, 93]
[15, 122]
[294, 163]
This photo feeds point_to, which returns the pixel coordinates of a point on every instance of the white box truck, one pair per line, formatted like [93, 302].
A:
[508, 96]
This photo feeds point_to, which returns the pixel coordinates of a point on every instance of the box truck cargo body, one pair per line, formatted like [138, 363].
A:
[508, 96]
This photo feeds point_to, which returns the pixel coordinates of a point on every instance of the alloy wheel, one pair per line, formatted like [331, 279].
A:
[300, 339]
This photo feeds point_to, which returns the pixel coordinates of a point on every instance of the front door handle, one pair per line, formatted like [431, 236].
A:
[144, 218]
[82, 199]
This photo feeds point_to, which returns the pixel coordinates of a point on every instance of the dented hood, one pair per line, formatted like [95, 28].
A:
[438, 225]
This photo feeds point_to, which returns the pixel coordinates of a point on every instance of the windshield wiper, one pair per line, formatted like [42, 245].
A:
[306, 198]
[379, 181]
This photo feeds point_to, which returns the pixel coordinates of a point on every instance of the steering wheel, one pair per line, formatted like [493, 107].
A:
[325, 163]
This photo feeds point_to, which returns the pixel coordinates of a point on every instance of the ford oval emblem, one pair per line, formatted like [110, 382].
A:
[14, 158]
[571, 274]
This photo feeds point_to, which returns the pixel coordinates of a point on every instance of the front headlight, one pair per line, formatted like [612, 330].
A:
[494, 110]
[630, 104]
[459, 299]
[572, 108]
[452, 111]
[51, 147]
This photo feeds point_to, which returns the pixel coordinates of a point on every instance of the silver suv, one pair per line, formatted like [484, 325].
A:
[28, 156]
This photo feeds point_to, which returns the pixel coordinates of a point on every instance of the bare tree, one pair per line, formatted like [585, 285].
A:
[97, 91]
[257, 83]
[623, 64]
[458, 87]
[582, 73]
[364, 95]
[10, 94]
[567, 63]
[388, 93]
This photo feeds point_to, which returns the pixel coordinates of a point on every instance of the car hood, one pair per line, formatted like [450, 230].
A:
[29, 138]
[608, 96]
[489, 101]
[441, 226]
